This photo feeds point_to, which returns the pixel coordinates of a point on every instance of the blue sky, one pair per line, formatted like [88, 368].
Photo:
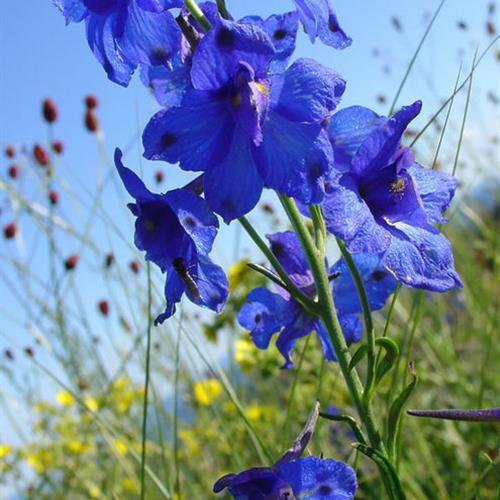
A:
[41, 57]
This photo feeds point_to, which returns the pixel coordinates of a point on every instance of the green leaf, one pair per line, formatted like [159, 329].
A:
[349, 421]
[396, 410]
[390, 358]
[358, 356]
[390, 476]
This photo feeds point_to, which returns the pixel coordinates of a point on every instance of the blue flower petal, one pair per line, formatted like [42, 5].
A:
[159, 5]
[326, 344]
[312, 478]
[301, 325]
[133, 184]
[348, 129]
[195, 135]
[233, 187]
[421, 258]
[288, 158]
[212, 284]
[149, 38]
[264, 315]
[258, 483]
[168, 85]
[378, 150]
[436, 191]
[282, 29]
[332, 34]
[102, 41]
[348, 217]
[73, 10]
[379, 284]
[352, 327]
[226, 46]
[195, 217]
[287, 249]
[308, 92]
[174, 288]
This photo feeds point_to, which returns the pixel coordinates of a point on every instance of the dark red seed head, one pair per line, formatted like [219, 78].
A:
[71, 262]
[40, 155]
[13, 172]
[91, 102]
[58, 147]
[10, 152]
[159, 176]
[29, 351]
[49, 111]
[9, 354]
[53, 197]
[91, 122]
[82, 385]
[9, 231]
[104, 307]
[134, 266]
[268, 208]
[108, 260]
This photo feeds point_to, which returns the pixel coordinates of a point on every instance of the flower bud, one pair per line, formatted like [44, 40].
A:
[9, 231]
[58, 147]
[10, 152]
[53, 197]
[134, 266]
[40, 155]
[91, 102]
[109, 259]
[71, 262]
[159, 176]
[49, 111]
[91, 122]
[104, 307]
[13, 172]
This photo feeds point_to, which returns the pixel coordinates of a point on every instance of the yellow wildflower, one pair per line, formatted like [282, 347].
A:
[236, 274]
[121, 383]
[5, 450]
[121, 447]
[64, 398]
[130, 485]
[207, 391]
[245, 354]
[91, 403]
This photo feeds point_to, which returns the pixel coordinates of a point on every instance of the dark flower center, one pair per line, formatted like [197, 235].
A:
[324, 489]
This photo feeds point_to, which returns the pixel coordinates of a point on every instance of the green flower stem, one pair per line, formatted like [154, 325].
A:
[303, 299]
[328, 315]
[197, 13]
[370, 332]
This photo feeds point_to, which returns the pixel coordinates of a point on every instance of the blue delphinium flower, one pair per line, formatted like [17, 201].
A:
[320, 21]
[267, 313]
[246, 128]
[385, 203]
[309, 478]
[177, 231]
[126, 33]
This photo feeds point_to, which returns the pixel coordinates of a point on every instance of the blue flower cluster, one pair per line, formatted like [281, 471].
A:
[268, 313]
[235, 109]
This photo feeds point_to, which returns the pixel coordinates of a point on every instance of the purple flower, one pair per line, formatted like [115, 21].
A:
[384, 203]
[319, 21]
[177, 231]
[124, 34]
[245, 127]
[268, 313]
